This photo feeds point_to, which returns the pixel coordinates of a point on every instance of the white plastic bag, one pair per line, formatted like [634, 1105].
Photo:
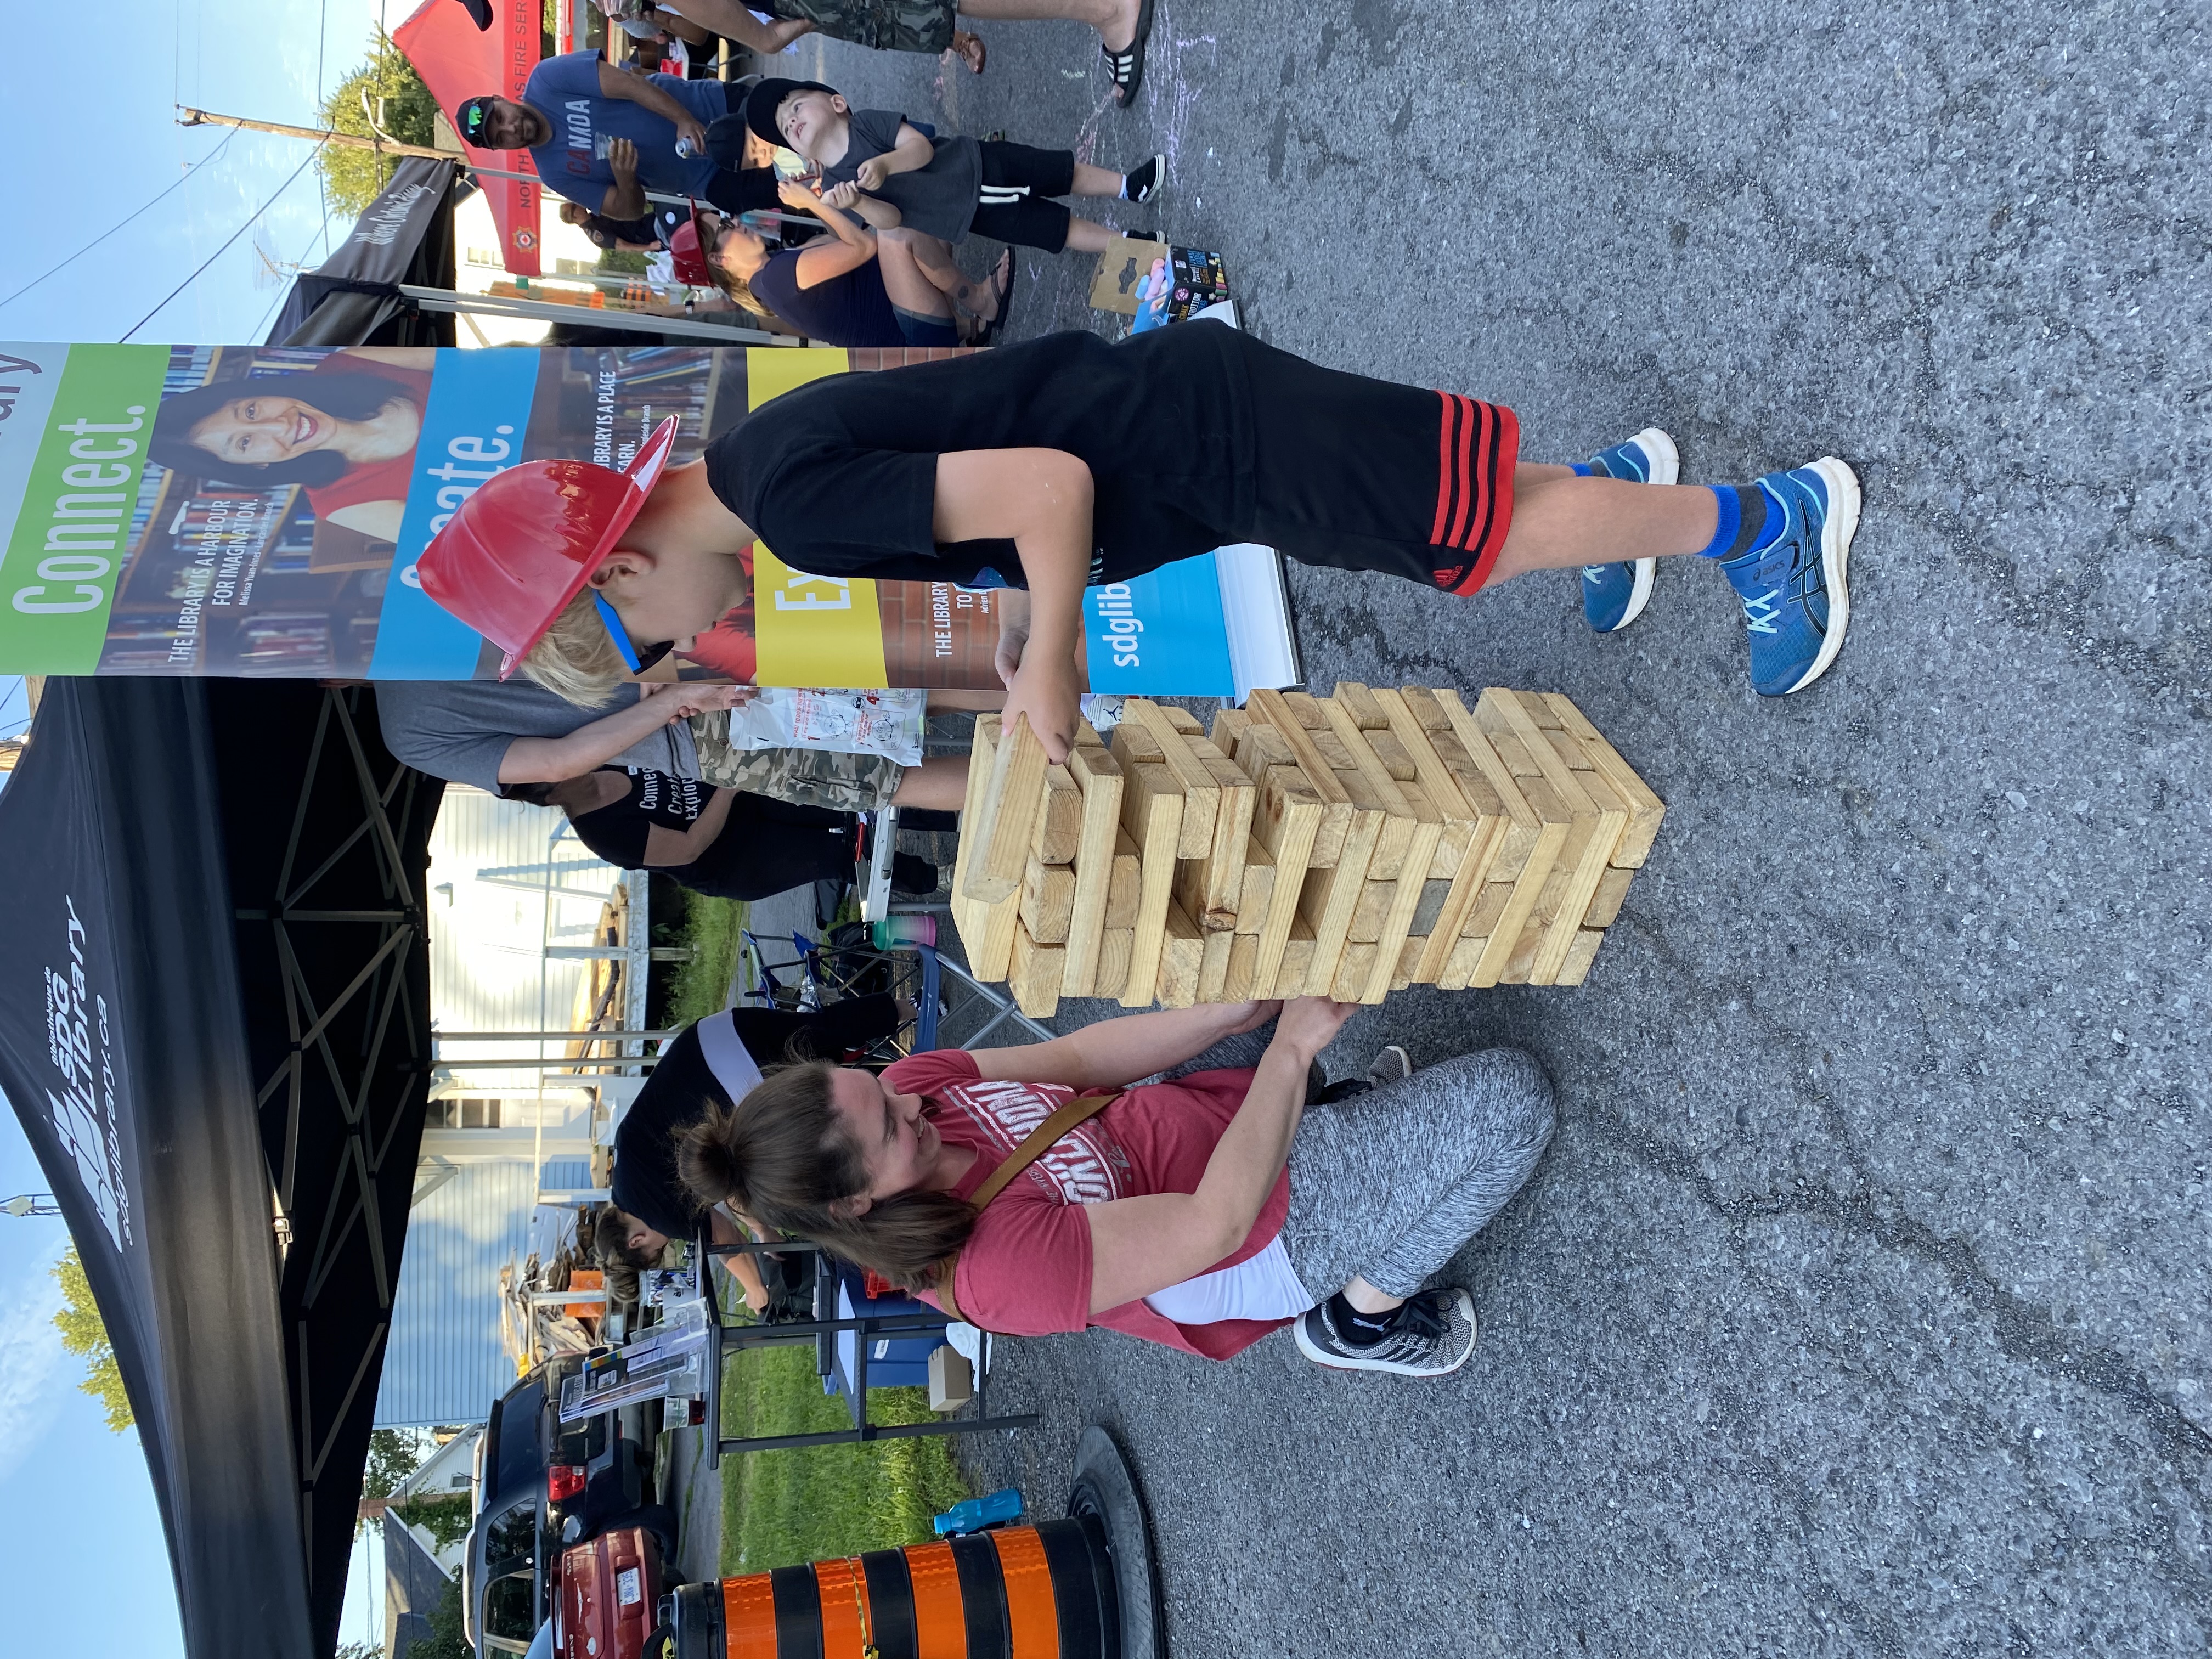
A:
[850, 722]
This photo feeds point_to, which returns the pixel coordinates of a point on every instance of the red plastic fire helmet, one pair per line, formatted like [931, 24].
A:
[685, 253]
[525, 545]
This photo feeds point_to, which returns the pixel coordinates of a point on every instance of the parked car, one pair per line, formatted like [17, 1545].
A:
[610, 1591]
[538, 1474]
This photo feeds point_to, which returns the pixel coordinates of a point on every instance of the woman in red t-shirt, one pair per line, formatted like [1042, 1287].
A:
[346, 428]
[1199, 1213]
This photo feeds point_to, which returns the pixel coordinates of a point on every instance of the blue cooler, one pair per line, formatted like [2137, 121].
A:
[896, 1359]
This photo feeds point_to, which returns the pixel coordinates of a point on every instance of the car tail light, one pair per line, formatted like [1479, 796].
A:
[563, 1481]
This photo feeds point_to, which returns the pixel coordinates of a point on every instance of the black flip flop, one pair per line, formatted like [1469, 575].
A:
[1006, 300]
[1127, 68]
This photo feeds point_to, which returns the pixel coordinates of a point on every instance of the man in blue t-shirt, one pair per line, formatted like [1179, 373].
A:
[574, 113]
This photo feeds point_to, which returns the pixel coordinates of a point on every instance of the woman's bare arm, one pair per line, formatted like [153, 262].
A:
[1115, 1052]
[666, 849]
[1140, 1245]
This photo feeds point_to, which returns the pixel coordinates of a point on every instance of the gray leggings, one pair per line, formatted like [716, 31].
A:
[1390, 1183]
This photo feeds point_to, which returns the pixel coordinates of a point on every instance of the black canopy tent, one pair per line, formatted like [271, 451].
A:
[214, 1028]
[406, 237]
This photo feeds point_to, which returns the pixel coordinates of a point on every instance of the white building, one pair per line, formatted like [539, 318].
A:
[509, 890]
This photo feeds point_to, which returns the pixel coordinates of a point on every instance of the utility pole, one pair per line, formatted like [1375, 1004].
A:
[196, 117]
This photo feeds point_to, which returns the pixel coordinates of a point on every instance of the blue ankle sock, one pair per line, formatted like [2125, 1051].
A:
[1750, 519]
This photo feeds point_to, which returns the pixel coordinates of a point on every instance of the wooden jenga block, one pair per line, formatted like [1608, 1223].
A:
[1047, 900]
[1098, 777]
[1244, 965]
[1474, 820]
[1287, 820]
[1329, 894]
[1213, 968]
[1060, 820]
[1126, 884]
[1229, 726]
[1645, 809]
[1114, 946]
[1605, 904]
[987, 930]
[1297, 960]
[1359, 702]
[1580, 954]
[1405, 852]
[1201, 790]
[1034, 973]
[1552, 821]
[1182, 719]
[1597, 814]
[1257, 895]
[1151, 811]
[1353, 969]
[1374, 904]
[1182, 957]
[1005, 822]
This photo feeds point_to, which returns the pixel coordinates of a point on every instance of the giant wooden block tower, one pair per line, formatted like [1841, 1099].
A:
[1348, 846]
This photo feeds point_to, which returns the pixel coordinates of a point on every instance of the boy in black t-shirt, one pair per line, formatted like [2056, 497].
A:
[1065, 461]
[945, 186]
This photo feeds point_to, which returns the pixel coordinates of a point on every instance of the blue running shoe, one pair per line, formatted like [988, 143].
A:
[1614, 595]
[1796, 603]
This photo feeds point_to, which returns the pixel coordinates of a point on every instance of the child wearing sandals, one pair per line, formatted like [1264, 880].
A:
[944, 186]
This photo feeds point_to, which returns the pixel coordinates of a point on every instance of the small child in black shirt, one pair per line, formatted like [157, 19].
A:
[945, 187]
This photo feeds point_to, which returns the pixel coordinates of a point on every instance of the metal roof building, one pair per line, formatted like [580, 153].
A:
[505, 884]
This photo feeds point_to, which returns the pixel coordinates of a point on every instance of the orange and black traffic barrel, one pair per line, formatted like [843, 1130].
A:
[1046, 1591]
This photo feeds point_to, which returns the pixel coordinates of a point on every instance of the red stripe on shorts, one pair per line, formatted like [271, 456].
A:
[1473, 417]
[1483, 483]
[1444, 467]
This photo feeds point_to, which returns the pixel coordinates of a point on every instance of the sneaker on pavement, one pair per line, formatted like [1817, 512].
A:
[1614, 595]
[1433, 1336]
[1796, 604]
[1141, 184]
[1391, 1064]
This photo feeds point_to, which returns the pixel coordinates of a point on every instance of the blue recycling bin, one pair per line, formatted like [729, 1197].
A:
[896, 1359]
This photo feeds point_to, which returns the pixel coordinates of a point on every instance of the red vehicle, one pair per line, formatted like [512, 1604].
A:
[610, 1586]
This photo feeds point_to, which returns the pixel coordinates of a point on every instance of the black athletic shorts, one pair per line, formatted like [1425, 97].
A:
[1369, 475]
[1013, 204]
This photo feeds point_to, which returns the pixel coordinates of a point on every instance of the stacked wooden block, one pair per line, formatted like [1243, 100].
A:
[1347, 846]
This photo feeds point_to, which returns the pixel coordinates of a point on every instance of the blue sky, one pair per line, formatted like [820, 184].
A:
[114, 126]
[96, 138]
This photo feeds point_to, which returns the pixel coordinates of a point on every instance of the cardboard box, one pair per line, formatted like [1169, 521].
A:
[1124, 264]
[952, 1379]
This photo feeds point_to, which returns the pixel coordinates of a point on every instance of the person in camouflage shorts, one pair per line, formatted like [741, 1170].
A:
[805, 777]
[928, 26]
[883, 25]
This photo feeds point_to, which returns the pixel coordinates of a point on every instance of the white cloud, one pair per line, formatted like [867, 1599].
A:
[33, 1370]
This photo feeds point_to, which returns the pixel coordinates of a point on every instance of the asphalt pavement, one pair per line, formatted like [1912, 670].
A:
[1860, 1306]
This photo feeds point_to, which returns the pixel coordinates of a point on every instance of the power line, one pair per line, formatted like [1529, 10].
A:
[226, 241]
[55, 269]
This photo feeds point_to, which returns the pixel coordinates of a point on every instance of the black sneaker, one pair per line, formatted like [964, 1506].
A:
[1142, 184]
[1433, 1336]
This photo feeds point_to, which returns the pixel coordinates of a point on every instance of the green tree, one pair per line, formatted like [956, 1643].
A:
[85, 1335]
[354, 178]
[393, 1456]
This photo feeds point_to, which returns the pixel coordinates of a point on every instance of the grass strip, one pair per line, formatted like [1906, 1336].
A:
[781, 1508]
[714, 929]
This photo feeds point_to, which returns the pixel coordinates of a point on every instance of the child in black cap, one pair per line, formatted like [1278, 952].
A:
[945, 187]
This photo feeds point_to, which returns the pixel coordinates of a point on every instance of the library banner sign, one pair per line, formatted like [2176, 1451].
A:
[258, 510]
